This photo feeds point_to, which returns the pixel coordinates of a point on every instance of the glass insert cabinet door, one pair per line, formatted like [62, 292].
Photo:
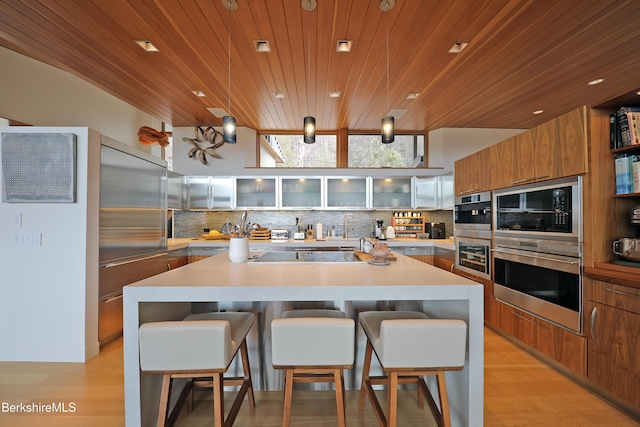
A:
[206, 192]
[301, 192]
[426, 193]
[347, 192]
[391, 193]
[256, 193]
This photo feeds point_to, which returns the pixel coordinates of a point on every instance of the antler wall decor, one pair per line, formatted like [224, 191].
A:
[208, 135]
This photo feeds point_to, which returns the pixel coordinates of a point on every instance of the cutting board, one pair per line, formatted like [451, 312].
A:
[367, 257]
[215, 237]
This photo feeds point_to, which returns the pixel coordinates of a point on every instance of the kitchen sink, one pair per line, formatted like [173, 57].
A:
[308, 256]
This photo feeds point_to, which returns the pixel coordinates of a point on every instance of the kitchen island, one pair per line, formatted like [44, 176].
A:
[347, 285]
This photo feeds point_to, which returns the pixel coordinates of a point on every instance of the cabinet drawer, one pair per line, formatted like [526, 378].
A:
[622, 297]
[418, 250]
[397, 249]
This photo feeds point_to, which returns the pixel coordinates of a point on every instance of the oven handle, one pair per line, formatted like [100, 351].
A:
[500, 251]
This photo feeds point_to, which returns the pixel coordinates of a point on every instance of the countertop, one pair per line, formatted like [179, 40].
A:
[614, 273]
[174, 244]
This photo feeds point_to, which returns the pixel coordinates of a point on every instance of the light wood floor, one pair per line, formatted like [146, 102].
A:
[519, 391]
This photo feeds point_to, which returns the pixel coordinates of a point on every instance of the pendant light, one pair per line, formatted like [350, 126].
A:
[388, 131]
[309, 129]
[229, 122]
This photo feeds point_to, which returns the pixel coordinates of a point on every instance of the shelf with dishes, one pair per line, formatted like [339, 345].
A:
[408, 226]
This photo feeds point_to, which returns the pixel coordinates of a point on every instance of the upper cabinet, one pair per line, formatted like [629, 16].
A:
[256, 193]
[301, 192]
[572, 144]
[478, 172]
[391, 193]
[206, 192]
[175, 190]
[554, 149]
[347, 192]
[434, 192]
[517, 161]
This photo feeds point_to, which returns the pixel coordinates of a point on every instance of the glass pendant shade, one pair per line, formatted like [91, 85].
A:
[309, 130]
[229, 129]
[388, 133]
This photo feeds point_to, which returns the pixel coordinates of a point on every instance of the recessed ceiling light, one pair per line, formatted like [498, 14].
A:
[278, 95]
[198, 93]
[413, 95]
[458, 47]
[218, 112]
[538, 112]
[638, 92]
[344, 45]
[595, 82]
[334, 94]
[397, 113]
[262, 45]
[147, 45]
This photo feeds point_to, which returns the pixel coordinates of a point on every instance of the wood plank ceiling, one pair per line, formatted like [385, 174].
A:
[523, 55]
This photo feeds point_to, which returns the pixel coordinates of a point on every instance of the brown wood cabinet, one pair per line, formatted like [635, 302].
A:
[612, 328]
[443, 263]
[177, 258]
[555, 149]
[427, 259]
[571, 147]
[477, 172]
[559, 344]
[517, 160]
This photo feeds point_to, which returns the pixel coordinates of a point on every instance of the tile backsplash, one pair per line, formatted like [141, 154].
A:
[191, 224]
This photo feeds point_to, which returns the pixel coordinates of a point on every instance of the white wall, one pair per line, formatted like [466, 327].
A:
[49, 293]
[38, 94]
[446, 145]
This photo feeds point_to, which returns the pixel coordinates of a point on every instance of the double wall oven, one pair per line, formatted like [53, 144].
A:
[472, 232]
[537, 250]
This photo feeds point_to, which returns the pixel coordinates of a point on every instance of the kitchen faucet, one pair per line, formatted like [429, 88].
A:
[346, 224]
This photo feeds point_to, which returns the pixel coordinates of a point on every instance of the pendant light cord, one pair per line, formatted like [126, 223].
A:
[387, 21]
[229, 57]
[308, 51]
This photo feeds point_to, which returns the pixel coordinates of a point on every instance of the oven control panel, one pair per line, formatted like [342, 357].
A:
[559, 247]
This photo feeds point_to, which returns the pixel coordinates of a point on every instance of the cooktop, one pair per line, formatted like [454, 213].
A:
[308, 256]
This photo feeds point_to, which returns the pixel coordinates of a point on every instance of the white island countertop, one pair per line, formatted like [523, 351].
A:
[179, 243]
[441, 294]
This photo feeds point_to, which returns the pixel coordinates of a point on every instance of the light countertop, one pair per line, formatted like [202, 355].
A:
[174, 244]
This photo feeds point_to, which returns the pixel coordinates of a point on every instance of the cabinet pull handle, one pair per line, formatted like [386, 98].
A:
[168, 266]
[469, 191]
[627, 294]
[452, 266]
[115, 264]
[112, 299]
[592, 323]
[522, 317]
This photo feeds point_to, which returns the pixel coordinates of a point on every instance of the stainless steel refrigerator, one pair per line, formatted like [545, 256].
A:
[133, 218]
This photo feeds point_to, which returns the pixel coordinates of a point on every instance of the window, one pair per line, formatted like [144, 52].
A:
[296, 154]
[366, 151]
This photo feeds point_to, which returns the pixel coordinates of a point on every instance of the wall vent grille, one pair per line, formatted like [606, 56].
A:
[38, 167]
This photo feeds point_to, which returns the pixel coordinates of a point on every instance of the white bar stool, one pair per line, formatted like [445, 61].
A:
[409, 345]
[201, 346]
[313, 346]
